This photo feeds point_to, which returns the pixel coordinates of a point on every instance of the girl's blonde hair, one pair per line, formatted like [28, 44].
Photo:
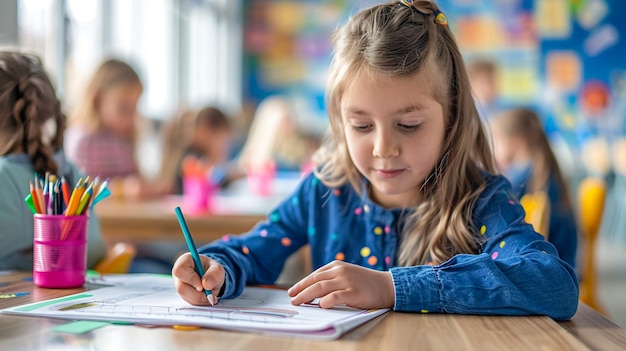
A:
[111, 73]
[398, 41]
[525, 124]
[27, 103]
[274, 134]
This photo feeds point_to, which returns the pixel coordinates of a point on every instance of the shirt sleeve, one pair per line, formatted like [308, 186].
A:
[516, 272]
[258, 256]
[16, 222]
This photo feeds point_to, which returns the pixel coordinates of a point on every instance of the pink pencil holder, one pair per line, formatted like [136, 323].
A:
[261, 179]
[197, 194]
[59, 251]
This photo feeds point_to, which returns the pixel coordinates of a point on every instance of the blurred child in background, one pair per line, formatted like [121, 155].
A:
[275, 138]
[483, 75]
[523, 154]
[31, 140]
[102, 137]
[205, 135]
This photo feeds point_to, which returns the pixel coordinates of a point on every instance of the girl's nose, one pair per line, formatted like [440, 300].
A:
[385, 146]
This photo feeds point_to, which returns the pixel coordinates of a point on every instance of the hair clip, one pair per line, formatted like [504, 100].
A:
[440, 18]
[407, 3]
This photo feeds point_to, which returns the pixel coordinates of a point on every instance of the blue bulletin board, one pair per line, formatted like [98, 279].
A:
[566, 58]
[563, 57]
[287, 49]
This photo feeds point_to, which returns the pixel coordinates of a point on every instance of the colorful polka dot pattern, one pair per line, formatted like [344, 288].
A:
[245, 250]
[263, 233]
[483, 230]
[494, 255]
[275, 217]
[372, 260]
[340, 256]
[226, 238]
[285, 241]
[502, 243]
[336, 192]
[424, 311]
[378, 230]
[365, 251]
[358, 211]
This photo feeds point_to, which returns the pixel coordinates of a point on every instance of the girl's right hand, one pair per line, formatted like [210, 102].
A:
[188, 283]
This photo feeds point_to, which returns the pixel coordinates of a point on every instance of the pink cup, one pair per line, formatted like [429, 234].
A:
[261, 179]
[197, 195]
[60, 251]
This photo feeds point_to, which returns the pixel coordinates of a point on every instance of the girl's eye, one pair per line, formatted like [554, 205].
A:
[409, 128]
[362, 128]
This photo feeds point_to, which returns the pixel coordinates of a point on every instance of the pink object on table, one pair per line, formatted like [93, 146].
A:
[59, 250]
[197, 194]
[261, 178]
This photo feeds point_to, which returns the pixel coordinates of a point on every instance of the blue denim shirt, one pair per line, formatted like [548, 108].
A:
[515, 273]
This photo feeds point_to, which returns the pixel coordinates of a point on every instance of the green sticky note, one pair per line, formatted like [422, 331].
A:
[79, 327]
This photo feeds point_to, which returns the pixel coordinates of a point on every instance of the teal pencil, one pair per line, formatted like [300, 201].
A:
[192, 249]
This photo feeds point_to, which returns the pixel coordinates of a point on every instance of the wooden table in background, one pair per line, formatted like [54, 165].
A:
[147, 221]
[392, 331]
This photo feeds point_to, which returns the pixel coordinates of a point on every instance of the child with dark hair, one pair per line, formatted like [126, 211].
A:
[31, 140]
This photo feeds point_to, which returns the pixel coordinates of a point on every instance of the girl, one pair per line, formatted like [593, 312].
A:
[523, 153]
[206, 135]
[31, 139]
[103, 129]
[403, 210]
[275, 138]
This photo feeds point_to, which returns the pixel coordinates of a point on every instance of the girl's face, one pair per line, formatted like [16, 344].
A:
[394, 130]
[117, 108]
[506, 148]
[215, 143]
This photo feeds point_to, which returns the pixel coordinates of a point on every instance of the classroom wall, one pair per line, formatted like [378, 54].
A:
[8, 23]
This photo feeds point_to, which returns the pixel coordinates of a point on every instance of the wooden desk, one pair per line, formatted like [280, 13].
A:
[392, 331]
[147, 221]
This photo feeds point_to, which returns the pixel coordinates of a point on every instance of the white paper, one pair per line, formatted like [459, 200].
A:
[149, 299]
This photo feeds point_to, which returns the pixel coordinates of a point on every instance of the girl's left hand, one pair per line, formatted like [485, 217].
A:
[343, 283]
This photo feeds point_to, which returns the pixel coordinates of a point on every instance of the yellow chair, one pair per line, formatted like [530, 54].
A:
[591, 196]
[537, 208]
[117, 260]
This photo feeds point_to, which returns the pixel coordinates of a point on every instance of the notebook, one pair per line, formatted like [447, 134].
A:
[152, 299]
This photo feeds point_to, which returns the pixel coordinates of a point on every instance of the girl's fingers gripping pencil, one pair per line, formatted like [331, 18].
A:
[194, 252]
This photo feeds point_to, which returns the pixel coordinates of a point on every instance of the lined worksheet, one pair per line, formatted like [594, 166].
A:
[152, 299]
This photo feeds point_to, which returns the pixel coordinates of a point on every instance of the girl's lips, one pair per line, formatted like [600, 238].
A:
[389, 173]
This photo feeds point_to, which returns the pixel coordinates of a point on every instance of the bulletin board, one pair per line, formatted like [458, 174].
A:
[563, 57]
[287, 49]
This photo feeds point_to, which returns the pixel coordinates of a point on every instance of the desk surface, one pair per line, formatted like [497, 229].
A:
[143, 221]
[392, 331]
[233, 212]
